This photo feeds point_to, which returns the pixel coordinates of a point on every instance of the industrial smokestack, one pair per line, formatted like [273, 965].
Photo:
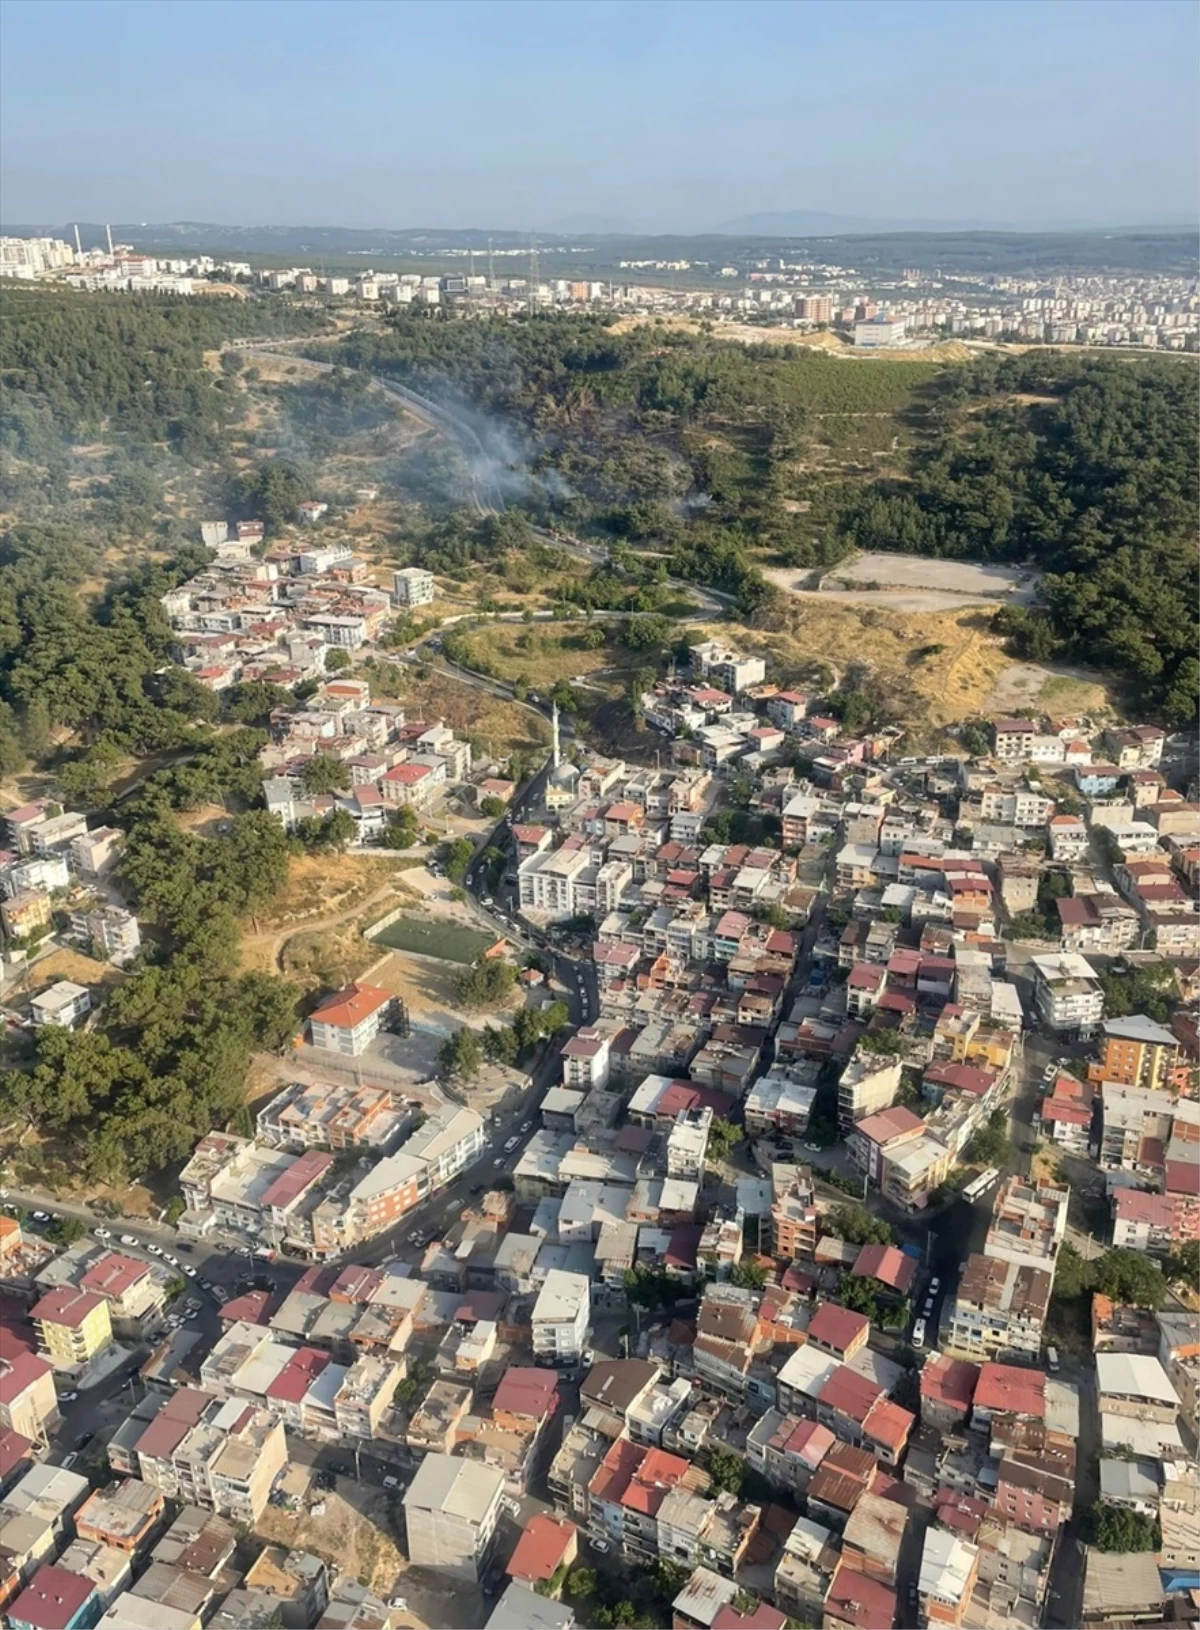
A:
[108, 235]
[78, 250]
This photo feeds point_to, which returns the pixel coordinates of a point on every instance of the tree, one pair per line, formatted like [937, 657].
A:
[461, 1054]
[491, 806]
[855, 1224]
[881, 1043]
[727, 1470]
[723, 1136]
[1128, 1276]
[337, 660]
[457, 858]
[1072, 1274]
[487, 983]
[402, 828]
[749, 1274]
[1183, 1264]
[581, 1582]
[66, 1230]
[989, 1146]
[322, 774]
[1113, 1528]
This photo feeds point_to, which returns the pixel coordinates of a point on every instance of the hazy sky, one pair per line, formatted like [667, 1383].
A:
[665, 114]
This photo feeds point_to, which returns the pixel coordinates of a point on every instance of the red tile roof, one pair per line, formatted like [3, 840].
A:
[850, 1394]
[173, 1422]
[889, 1424]
[299, 1177]
[949, 1381]
[19, 1369]
[53, 1600]
[837, 1327]
[762, 1617]
[249, 1308]
[854, 1599]
[522, 1391]
[888, 1264]
[888, 1124]
[113, 1274]
[1011, 1390]
[297, 1375]
[543, 1544]
[66, 1306]
[653, 1480]
[348, 1007]
[13, 1450]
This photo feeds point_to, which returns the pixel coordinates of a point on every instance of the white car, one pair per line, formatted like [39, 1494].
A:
[511, 1143]
[918, 1335]
[813, 1148]
[398, 1603]
[154, 1250]
[600, 1545]
[102, 1233]
[190, 1271]
[499, 1161]
[391, 1482]
[173, 1260]
[525, 1125]
[67, 1397]
[41, 1216]
[934, 1286]
[128, 1239]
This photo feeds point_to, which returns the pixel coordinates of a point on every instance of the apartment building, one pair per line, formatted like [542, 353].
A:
[1000, 1307]
[728, 669]
[451, 1509]
[1067, 994]
[586, 1059]
[949, 1570]
[867, 1085]
[62, 1004]
[1135, 1052]
[221, 1454]
[348, 1021]
[73, 1326]
[28, 1398]
[1029, 1223]
[111, 930]
[344, 1115]
[547, 881]
[413, 586]
[559, 1321]
[1154, 1224]
[123, 1515]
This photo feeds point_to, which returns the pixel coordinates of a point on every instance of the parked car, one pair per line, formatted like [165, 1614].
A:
[128, 1239]
[934, 1286]
[918, 1335]
[1052, 1362]
[102, 1233]
[154, 1250]
[391, 1482]
[67, 1397]
[189, 1270]
[511, 1143]
[69, 1460]
[41, 1216]
[600, 1545]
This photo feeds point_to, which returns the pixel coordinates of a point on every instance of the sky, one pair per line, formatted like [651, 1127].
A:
[657, 115]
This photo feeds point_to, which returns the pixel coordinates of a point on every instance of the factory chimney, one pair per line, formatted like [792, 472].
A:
[108, 235]
[78, 250]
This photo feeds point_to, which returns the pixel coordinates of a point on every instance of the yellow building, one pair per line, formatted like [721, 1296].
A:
[72, 1326]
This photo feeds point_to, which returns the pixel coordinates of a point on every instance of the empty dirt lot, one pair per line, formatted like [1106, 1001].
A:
[910, 583]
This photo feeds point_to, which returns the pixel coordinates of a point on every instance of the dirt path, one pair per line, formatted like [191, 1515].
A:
[274, 944]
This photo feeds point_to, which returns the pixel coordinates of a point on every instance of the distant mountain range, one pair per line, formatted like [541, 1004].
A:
[808, 223]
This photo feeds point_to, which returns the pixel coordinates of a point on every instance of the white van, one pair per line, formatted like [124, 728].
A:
[1052, 1360]
[918, 1335]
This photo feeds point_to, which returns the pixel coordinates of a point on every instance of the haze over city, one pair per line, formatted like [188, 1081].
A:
[622, 116]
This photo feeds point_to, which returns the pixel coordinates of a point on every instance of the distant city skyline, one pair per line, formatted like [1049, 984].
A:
[630, 116]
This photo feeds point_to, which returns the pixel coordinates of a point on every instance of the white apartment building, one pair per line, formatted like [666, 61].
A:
[348, 1021]
[62, 1004]
[878, 333]
[867, 1085]
[560, 1316]
[546, 882]
[729, 670]
[112, 930]
[1067, 995]
[345, 632]
[412, 586]
[586, 1060]
[1015, 806]
[451, 1510]
[687, 1143]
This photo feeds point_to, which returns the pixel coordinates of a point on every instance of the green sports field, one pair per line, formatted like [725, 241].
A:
[449, 941]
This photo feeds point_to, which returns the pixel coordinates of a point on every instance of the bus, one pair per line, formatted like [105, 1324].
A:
[979, 1186]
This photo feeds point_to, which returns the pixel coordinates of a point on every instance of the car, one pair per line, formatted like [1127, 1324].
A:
[600, 1545]
[588, 1357]
[192, 1313]
[128, 1239]
[220, 1295]
[813, 1148]
[173, 1260]
[511, 1143]
[69, 1460]
[41, 1216]
[398, 1603]
[205, 1284]
[190, 1271]
[154, 1250]
[67, 1397]
[83, 1442]
[243, 1250]
[193, 1301]
[918, 1335]
[934, 1286]
[927, 1310]
[525, 1125]
[1052, 1361]
[102, 1233]
[391, 1482]
[499, 1160]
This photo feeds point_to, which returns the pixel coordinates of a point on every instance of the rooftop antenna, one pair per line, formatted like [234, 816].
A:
[108, 235]
[78, 250]
[533, 272]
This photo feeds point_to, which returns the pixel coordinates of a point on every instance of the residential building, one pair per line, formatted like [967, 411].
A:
[222, 1454]
[559, 1321]
[28, 1398]
[56, 1599]
[854, 1601]
[1135, 1052]
[348, 1021]
[1067, 994]
[949, 1570]
[413, 586]
[1000, 1307]
[112, 931]
[124, 1515]
[72, 1326]
[867, 1085]
[451, 1509]
[60, 1004]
